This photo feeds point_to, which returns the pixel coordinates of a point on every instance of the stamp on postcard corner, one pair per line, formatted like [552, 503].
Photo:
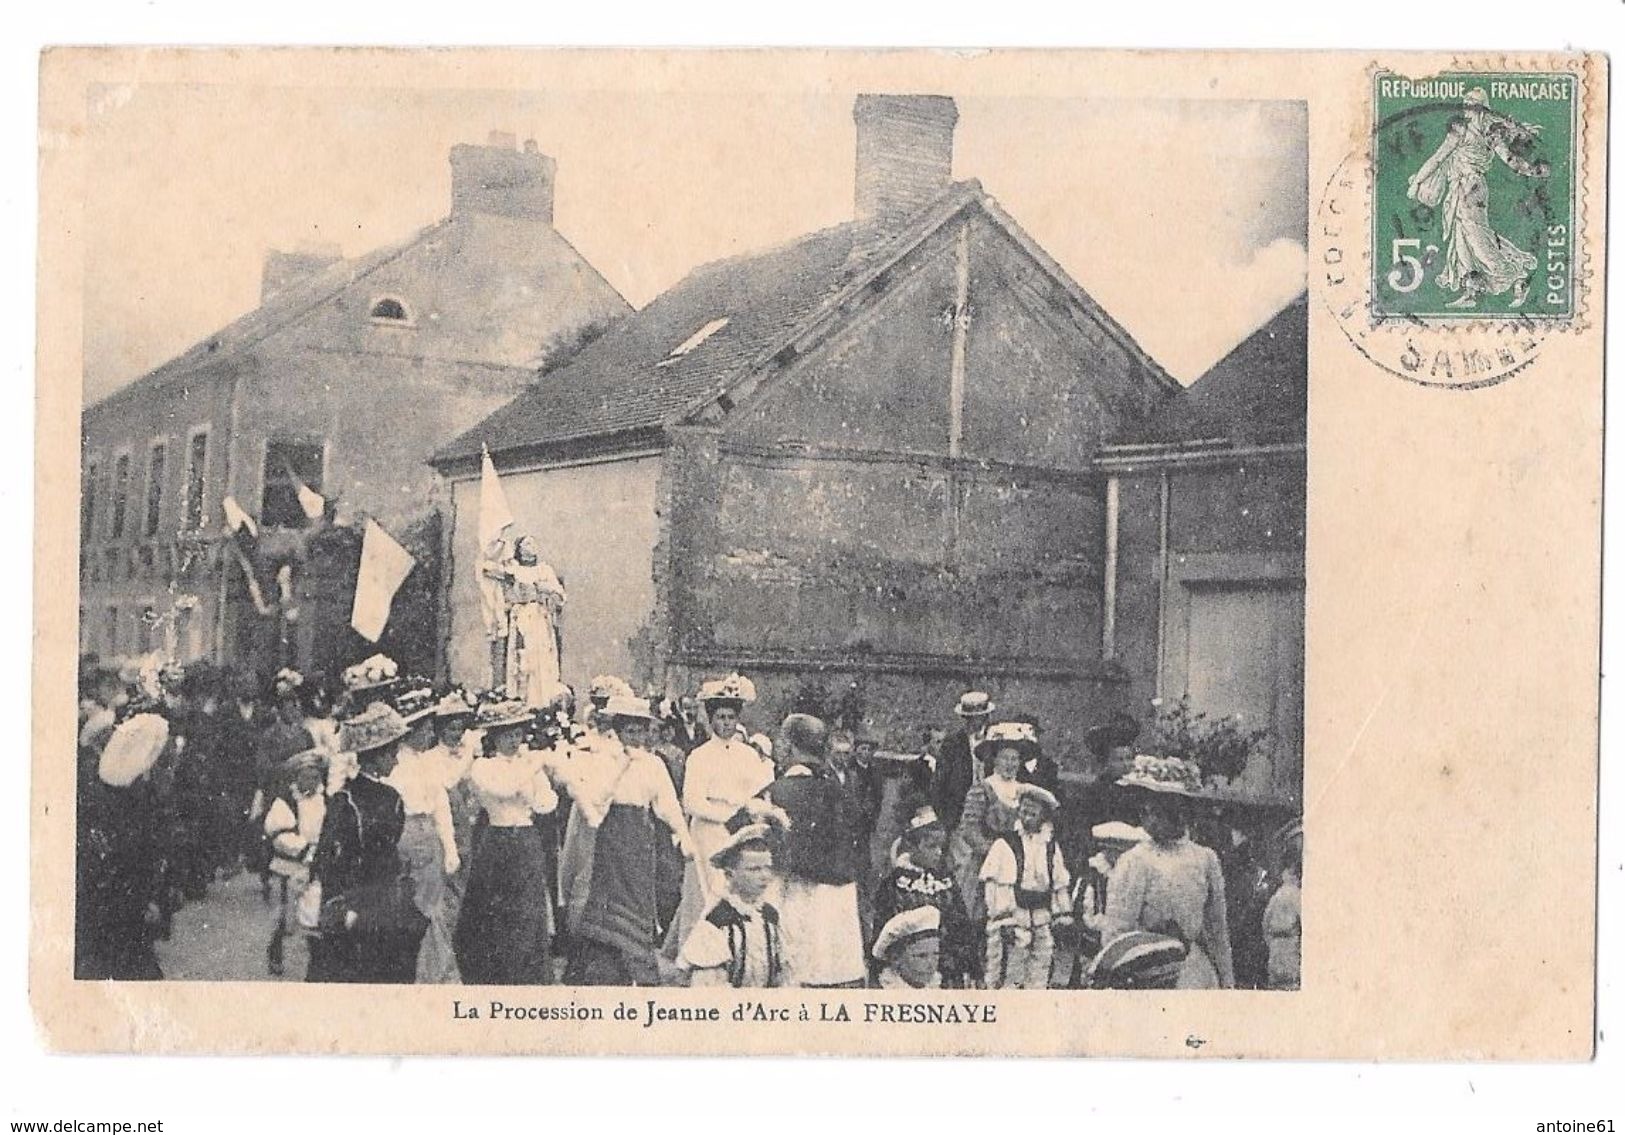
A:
[1473, 196]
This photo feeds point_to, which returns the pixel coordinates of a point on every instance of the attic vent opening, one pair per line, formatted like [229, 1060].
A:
[389, 310]
[694, 341]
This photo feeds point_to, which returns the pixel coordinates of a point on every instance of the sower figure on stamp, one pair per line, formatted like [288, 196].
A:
[1477, 259]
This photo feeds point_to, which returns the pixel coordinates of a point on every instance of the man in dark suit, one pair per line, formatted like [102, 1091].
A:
[821, 857]
[957, 768]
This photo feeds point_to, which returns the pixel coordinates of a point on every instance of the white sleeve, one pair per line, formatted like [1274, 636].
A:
[1000, 865]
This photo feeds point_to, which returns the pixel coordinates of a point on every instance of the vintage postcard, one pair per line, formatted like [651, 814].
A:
[879, 553]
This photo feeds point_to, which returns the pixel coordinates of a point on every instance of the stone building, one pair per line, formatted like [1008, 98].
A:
[863, 460]
[345, 378]
[1204, 561]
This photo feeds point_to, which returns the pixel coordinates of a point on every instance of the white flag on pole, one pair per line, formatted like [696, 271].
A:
[495, 519]
[494, 514]
[384, 567]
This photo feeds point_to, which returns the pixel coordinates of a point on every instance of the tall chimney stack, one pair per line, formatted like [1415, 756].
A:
[499, 179]
[905, 154]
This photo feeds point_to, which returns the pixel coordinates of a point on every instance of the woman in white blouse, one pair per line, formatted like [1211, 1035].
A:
[1170, 884]
[506, 925]
[720, 776]
[624, 805]
[428, 842]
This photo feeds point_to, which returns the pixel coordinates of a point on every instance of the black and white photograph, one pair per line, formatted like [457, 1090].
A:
[851, 574]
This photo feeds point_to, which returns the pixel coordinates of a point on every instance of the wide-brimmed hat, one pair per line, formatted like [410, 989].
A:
[626, 705]
[909, 926]
[132, 750]
[1116, 831]
[1008, 734]
[741, 840]
[373, 728]
[415, 702]
[457, 702]
[974, 703]
[1039, 793]
[1173, 776]
[502, 714]
[734, 688]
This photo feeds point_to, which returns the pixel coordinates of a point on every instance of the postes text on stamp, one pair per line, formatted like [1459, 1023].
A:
[1473, 196]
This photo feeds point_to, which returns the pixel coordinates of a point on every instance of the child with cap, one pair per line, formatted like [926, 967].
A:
[1028, 894]
[910, 948]
[739, 942]
[920, 877]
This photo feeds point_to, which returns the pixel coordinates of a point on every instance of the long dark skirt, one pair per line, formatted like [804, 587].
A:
[506, 923]
[613, 909]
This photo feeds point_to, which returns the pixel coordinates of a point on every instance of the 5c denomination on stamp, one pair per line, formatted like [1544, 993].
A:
[1473, 195]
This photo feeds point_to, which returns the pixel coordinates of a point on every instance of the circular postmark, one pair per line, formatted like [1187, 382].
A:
[1464, 345]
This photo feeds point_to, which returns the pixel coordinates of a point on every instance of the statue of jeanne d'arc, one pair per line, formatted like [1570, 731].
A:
[524, 603]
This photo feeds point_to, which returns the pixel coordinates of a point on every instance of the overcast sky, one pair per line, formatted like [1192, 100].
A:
[1185, 220]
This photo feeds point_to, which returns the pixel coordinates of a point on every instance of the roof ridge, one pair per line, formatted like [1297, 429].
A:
[314, 290]
[1301, 297]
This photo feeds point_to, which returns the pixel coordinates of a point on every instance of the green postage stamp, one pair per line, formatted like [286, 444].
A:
[1473, 195]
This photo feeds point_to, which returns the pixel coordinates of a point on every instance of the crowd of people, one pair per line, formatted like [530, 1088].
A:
[408, 834]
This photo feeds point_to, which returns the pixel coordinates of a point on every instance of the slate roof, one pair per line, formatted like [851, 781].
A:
[280, 310]
[628, 383]
[626, 379]
[1257, 393]
[529, 247]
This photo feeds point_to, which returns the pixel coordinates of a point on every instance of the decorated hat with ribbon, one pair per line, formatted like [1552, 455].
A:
[373, 728]
[415, 701]
[735, 688]
[606, 686]
[1171, 775]
[502, 714]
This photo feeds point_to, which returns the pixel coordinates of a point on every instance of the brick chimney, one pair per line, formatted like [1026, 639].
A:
[283, 269]
[905, 154]
[500, 179]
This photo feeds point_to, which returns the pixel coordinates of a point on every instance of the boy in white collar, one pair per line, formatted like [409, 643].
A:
[739, 942]
[1028, 892]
